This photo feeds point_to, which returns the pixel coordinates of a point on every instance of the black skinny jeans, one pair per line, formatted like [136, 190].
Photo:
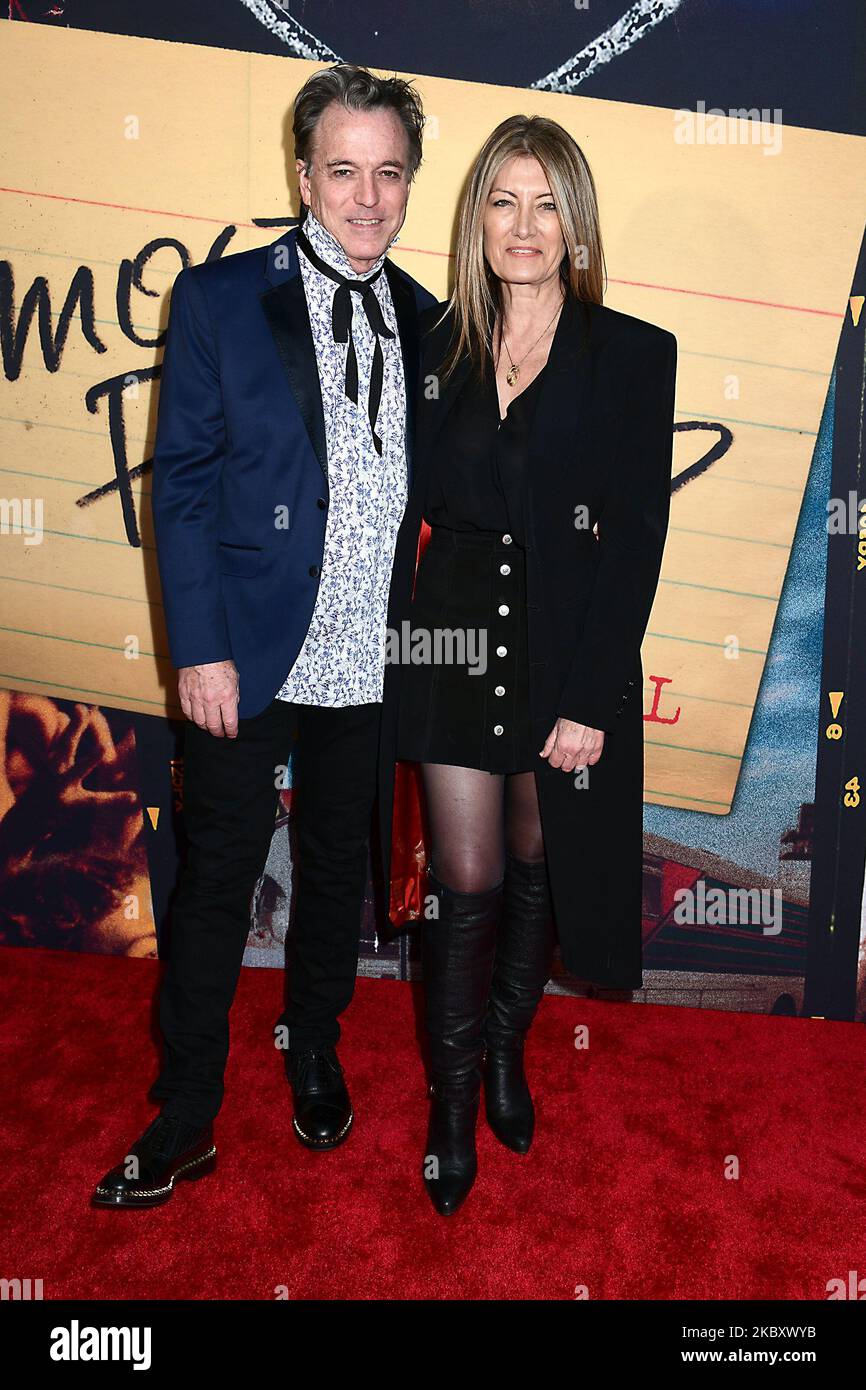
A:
[230, 804]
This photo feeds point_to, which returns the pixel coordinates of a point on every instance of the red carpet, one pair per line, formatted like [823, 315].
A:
[624, 1191]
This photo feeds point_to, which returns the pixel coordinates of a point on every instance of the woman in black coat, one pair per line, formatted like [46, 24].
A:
[542, 463]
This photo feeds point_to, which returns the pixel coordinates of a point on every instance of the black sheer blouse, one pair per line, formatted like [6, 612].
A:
[478, 476]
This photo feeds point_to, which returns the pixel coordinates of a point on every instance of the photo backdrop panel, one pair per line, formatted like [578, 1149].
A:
[740, 239]
[74, 871]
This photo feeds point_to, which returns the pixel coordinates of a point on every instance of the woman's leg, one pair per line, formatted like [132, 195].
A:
[523, 834]
[524, 957]
[465, 815]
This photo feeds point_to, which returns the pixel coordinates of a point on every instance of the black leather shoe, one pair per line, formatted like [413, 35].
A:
[169, 1150]
[524, 958]
[458, 948]
[323, 1111]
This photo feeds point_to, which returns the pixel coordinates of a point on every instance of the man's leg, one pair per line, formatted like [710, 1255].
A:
[230, 794]
[230, 804]
[334, 792]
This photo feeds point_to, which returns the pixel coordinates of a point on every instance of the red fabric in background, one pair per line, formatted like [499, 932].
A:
[623, 1193]
[408, 854]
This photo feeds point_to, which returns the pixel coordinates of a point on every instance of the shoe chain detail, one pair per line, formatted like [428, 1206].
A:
[309, 1140]
[159, 1191]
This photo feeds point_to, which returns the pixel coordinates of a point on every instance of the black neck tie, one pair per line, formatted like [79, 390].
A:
[341, 325]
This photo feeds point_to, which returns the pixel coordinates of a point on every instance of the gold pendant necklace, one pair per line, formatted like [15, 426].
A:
[512, 376]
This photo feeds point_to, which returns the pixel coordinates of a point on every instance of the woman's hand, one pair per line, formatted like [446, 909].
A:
[571, 745]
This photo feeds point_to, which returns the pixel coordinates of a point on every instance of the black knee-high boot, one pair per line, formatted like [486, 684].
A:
[458, 948]
[524, 957]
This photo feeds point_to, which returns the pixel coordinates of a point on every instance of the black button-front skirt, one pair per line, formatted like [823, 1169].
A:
[466, 700]
[469, 706]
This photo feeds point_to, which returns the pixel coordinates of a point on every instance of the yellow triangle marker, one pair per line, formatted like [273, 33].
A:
[835, 697]
[153, 812]
[856, 302]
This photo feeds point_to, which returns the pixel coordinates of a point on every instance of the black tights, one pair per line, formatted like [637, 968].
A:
[475, 819]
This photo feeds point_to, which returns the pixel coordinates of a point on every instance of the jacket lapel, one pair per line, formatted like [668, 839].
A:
[433, 410]
[562, 398]
[406, 314]
[285, 307]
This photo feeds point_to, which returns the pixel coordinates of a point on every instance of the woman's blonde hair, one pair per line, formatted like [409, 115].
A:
[476, 300]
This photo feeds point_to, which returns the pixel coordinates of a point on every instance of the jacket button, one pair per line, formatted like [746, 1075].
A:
[500, 690]
[504, 569]
[501, 651]
[506, 539]
[321, 503]
[498, 729]
[314, 570]
[504, 610]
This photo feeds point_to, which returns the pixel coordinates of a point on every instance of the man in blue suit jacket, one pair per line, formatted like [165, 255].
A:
[281, 471]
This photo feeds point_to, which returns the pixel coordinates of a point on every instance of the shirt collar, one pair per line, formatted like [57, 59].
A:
[330, 250]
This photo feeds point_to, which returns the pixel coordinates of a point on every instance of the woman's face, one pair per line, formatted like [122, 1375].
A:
[523, 241]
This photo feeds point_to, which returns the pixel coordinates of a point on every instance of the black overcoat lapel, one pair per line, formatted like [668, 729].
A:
[406, 314]
[435, 395]
[285, 307]
[562, 399]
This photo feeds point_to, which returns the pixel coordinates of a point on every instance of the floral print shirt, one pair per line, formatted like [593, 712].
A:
[342, 659]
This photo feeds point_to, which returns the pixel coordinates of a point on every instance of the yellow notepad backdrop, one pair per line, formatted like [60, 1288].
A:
[739, 240]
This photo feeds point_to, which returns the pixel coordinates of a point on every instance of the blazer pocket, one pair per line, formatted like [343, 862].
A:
[242, 560]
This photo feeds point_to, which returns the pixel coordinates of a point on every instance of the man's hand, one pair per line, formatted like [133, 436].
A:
[571, 745]
[209, 697]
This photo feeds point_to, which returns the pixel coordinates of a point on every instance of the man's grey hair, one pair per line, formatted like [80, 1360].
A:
[357, 89]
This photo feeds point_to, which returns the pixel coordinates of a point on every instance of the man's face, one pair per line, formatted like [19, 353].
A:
[357, 184]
